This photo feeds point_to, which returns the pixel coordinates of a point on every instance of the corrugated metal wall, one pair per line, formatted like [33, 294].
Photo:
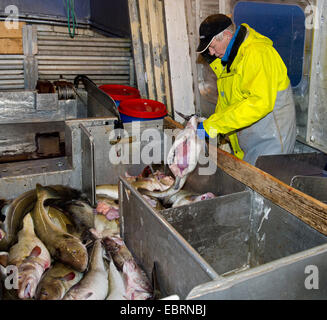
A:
[11, 72]
[102, 59]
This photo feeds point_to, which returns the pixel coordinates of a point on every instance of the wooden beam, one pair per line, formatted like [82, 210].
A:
[137, 47]
[164, 56]
[193, 35]
[154, 27]
[308, 209]
[147, 44]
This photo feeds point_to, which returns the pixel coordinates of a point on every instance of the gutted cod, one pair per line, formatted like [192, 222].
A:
[31, 257]
[63, 246]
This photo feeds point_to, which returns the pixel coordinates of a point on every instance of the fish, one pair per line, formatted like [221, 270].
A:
[95, 284]
[178, 184]
[150, 183]
[110, 190]
[109, 201]
[148, 172]
[59, 219]
[62, 246]
[116, 284]
[2, 234]
[108, 208]
[137, 285]
[136, 282]
[186, 197]
[117, 249]
[104, 227]
[57, 281]
[154, 202]
[4, 256]
[14, 214]
[164, 179]
[80, 212]
[182, 158]
[31, 257]
[20, 206]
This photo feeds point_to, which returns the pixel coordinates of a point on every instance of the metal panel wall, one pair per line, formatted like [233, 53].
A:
[104, 60]
[11, 72]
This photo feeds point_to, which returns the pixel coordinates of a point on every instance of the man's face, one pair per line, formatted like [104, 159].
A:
[218, 47]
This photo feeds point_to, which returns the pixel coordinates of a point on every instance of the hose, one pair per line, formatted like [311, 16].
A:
[71, 17]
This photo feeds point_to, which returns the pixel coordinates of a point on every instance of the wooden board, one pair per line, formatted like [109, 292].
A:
[179, 58]
[147, 45]
[11, 46]
[306, 208]
[150, 50]
[11, 40]
[11, 33]
[164, 57]
[137, 48]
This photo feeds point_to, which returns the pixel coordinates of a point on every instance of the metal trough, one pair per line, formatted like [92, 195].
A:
[211, 249]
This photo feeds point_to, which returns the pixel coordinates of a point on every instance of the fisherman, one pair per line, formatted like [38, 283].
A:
[255, 106]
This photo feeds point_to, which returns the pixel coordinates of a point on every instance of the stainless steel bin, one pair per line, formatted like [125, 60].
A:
[200, 249]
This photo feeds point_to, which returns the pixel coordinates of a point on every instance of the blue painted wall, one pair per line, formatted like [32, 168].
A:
[56, 8]
[111, 16]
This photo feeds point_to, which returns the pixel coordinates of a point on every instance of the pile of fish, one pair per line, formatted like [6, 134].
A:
[63, 249]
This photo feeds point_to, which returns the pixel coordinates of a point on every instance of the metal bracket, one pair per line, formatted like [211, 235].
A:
[88, 167]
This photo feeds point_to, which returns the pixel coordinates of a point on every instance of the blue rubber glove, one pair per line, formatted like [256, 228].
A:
[201, 131]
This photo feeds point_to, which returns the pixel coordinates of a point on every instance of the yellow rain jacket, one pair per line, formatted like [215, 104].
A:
[255, 106]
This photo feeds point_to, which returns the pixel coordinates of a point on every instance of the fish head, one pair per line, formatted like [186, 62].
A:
[72, 252]
[51, 291]
[78, 207]
[29, 274]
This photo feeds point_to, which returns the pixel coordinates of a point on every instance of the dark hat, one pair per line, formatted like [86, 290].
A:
[210, 27]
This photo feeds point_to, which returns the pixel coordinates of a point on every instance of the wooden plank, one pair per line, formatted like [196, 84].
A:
[145, 30]
[154, 24]
[308, 209]
[11, 40]
[137, 48]
[164, 55]
[304, 207]
[179, 58]
[193, 35]
[11, 46]
[11, 33]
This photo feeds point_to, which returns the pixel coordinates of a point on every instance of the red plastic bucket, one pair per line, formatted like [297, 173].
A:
[120, 92]
[141, 110]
